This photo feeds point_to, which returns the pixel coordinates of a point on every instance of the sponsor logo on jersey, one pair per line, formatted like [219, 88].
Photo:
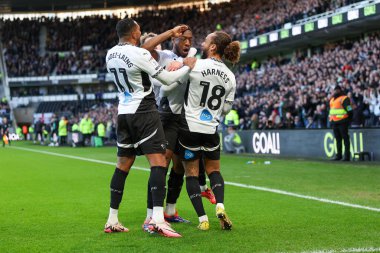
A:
[128, 97]
[188, 154]
[205, 115]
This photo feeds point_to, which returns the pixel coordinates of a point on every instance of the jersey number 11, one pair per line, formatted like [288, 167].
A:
[117, 80]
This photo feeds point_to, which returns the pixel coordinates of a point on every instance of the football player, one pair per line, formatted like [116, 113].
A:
[170, 102]
[139, 129]
[209, 95]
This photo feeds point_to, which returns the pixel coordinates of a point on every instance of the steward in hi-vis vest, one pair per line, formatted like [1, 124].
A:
[340, 118]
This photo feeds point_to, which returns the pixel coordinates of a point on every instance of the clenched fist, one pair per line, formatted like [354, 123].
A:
[190, 62]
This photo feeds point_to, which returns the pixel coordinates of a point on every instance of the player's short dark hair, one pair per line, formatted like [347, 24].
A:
[188, 28]
[125, 26]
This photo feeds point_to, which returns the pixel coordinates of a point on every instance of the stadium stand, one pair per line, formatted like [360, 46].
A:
[69, 108]
[4, 108]
[77, 46]
[280, 93]
[292, 93]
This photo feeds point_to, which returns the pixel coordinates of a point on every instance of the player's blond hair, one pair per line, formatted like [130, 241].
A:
[146, 36]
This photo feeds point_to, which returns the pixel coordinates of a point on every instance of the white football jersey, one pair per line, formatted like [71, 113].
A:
[211, 84]
[176, 96]
[131, 67]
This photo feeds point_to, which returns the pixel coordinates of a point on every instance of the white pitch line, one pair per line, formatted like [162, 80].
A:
[350, 250]
[259, 188]
[77, 157]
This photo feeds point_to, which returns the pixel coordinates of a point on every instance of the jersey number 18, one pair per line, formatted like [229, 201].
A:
[217, 93]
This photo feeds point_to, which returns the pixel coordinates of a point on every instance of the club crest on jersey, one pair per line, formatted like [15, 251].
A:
[205, 115]
[188, 154]
[128, 97]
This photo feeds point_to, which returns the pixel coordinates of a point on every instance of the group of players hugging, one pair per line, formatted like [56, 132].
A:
[169, 108]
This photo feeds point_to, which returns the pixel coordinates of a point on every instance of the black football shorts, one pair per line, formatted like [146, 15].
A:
[140, 134]
[170, 123]
[192, 145]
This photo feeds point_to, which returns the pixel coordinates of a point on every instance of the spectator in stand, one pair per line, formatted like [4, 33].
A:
[298, 124]
[289, 121]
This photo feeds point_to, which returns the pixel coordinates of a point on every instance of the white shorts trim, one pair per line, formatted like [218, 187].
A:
[199, 148]
[137, 143]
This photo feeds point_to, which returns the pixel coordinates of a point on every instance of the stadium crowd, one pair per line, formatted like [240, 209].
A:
[78, 46]
[294, 93]
[4, 108]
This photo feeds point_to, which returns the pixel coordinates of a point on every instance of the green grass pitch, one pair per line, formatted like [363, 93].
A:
[60, 204]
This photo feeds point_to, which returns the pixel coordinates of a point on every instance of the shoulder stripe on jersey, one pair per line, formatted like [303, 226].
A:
[158, 72]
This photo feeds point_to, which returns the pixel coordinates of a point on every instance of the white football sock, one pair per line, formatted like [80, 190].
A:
[170, 209]
[112, 218]
[203, 218]
[158, 214]
[203, 188]
[221, 205]
[149, 213]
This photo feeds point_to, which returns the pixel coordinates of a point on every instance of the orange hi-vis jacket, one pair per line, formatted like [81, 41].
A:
[337, 110]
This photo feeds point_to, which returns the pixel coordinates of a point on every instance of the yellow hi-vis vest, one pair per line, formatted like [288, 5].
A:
[62, 128]
[233, 117]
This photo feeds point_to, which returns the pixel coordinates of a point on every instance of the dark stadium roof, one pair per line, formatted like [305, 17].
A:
[56, 5]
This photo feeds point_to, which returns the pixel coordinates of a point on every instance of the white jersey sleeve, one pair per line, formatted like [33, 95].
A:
[230, 97]
[147, 63]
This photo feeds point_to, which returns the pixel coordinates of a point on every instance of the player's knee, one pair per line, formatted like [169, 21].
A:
[210, 170]
[123, 167]
[157, 160]
[191, 172]
[178, 167]
[125, 163]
